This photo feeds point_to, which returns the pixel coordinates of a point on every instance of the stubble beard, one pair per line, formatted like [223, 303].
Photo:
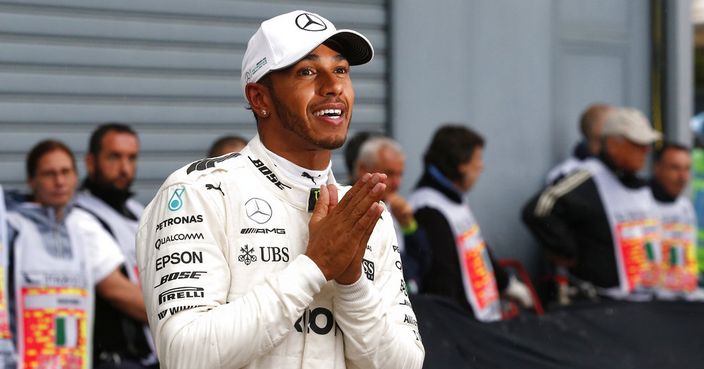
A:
[297, 126]
[104, 182]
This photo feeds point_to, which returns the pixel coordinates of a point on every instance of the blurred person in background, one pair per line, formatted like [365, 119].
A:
[58, 254]
[120, 340]
[603, 210]
[462, 267]
[384, 155]
[351, 151]
[672, 164]
[591, 123]
[225, 145]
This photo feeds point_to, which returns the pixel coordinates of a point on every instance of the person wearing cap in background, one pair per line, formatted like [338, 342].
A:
[672, 164]
[591, 123]
[249, 260]
[600, 222]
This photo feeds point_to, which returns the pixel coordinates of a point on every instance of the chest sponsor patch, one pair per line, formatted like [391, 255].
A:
[368, 267]
[179, 293]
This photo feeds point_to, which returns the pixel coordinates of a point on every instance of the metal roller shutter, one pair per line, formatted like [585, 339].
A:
[169, 68]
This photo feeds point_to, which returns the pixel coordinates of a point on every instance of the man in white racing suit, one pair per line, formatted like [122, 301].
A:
[248, 260]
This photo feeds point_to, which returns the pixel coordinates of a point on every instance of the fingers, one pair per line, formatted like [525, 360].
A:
[354, 206]
[360, 184]
[361, 233]
[364, 227]
[332, 191]
[322, 205]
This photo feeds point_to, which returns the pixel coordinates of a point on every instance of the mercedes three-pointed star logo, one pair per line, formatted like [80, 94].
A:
[310, 22]
[258, 210]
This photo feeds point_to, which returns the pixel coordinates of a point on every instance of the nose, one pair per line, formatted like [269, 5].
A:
[331, 84]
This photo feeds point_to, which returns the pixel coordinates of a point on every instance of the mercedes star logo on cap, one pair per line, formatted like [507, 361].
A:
[310, 22]
[258, 210]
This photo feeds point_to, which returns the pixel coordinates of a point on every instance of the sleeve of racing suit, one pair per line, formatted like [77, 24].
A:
[185, 277]
[379, 326]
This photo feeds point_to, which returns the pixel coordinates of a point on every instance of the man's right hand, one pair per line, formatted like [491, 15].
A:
[338, 232]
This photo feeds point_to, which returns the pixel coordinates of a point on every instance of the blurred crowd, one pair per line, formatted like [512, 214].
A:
[70, 291]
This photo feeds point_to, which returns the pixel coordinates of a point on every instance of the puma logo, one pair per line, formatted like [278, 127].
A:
[307, 175]
[209, 186]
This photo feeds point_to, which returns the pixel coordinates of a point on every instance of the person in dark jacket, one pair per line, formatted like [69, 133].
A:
[598, 221]
[461, 267]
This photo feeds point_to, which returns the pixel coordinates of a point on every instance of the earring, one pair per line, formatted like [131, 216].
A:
[265, 113]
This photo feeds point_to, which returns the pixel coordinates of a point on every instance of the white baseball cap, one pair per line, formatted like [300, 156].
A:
[631, 124]
[285, 39]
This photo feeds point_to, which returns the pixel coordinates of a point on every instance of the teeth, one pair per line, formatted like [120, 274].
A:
[328, 112]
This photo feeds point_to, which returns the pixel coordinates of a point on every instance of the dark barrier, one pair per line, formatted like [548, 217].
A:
[610, 334]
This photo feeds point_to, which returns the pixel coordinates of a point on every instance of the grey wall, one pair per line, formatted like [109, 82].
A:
[170, 68]
[520, 72]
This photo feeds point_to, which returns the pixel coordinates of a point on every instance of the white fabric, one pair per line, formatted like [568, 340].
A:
[568, 166]
[679, 241]
[124, 231]
[518, 291]
[285, 39]
[479, 286]
[633, 219]
[7, 349]
[257, 301]
[294, 172]
[70, 282]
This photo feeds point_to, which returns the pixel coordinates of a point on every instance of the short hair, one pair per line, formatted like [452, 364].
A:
[224, 141]
[590, 116]
[96, 138]
[353, 145]
[42, 148]
[660, 152]
[451, 146]
[369, 151]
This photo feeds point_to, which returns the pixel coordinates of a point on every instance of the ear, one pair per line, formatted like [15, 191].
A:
[259, 99]
[90, 164]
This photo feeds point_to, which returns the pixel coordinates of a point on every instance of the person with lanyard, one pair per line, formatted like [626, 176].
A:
[384, 155]
[120, 340]
[601, 221]
[672, 164]
[462, 268]
[249, 260]
[57, 255]
[591, 122]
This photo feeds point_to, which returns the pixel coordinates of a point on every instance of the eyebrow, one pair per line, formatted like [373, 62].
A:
[316, 57]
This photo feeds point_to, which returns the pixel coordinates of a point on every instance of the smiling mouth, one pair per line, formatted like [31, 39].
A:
[333, 113]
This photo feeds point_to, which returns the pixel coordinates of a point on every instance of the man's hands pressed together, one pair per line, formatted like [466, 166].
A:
[339, 231]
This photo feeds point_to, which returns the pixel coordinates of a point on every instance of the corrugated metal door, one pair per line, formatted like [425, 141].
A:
[169, 68]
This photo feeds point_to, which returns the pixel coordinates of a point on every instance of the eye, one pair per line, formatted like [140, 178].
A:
[306, 72]
[341, 70]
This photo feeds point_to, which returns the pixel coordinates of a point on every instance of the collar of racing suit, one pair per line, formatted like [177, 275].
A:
[291, 188]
